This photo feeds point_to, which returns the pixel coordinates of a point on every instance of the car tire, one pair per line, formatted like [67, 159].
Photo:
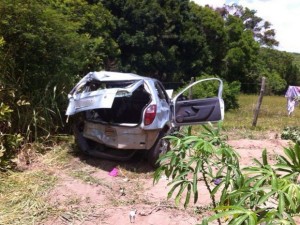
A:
[81, 142]
[160, 147]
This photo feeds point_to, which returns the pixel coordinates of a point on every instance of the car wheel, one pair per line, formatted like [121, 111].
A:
[81, 142]
[160, 147]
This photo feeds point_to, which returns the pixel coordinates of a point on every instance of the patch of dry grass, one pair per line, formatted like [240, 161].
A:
[272, 117]
[87, 177]
[22, 196]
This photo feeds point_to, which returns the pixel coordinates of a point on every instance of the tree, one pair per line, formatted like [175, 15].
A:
[203, 42]
[170, 40]
[242, 53]
[147, 33]
[260, 29]
[42, 54]
[40, 44]
[281, 63]
[95, 22]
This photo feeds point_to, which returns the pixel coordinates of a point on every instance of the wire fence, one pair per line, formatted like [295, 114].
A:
[246, 88]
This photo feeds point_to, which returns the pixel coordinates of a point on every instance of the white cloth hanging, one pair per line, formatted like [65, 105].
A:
[291, 105]
[292, 94]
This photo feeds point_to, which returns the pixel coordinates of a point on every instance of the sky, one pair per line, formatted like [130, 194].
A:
[284, 15]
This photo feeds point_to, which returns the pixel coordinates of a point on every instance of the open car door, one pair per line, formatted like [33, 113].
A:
[201, 102]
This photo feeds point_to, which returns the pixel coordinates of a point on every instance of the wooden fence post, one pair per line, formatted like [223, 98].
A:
[258, 104]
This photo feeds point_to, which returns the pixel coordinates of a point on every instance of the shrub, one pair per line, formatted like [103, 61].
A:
[8, 142]
[275, 83]
[230, 91]
[291, 133]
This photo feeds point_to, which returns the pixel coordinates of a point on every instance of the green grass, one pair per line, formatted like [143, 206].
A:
[272, 117]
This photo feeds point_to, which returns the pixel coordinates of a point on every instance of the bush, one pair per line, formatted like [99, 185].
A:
[230, 94]
[291, 133]
[8, 142]
[230, 91]
[275, 83]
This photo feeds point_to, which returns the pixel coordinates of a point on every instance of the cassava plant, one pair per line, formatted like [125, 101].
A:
[199, 157]
[289, 164]
[259, 194]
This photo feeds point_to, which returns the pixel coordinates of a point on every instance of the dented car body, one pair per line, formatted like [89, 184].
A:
[124, 111]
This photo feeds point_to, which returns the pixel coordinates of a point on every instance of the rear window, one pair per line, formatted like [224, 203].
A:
[96, 85]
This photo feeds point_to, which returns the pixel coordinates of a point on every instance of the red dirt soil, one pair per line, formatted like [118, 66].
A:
[86, 194]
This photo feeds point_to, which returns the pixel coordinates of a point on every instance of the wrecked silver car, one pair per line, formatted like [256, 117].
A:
[120, 113]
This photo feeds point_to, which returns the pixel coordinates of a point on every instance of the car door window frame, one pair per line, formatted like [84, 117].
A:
[161, 93]
[174, 100]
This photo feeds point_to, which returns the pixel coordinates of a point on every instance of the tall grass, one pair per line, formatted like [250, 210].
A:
[273, 116]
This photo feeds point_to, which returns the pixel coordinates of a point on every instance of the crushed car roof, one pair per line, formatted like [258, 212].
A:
[113, 76]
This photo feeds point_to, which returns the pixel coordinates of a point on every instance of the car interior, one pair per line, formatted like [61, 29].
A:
[125, 109]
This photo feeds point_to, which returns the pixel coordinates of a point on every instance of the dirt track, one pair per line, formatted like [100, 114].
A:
[87, 194]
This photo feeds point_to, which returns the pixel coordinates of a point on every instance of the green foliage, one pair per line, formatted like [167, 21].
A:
[39, 49]
[8, 142]
[256, 194]
[241, 57]
[44, 46]
[291, 133]
[280, 68]
[148, 34]
[291, 163]
[243, 62]
[230, 95]
[296, 57]
[275, 83]
[206, 155]
[4, 112]
[96, 24]
[261, 29]
[202, 41]
[35, 58]
[216, 37]
[10, 139]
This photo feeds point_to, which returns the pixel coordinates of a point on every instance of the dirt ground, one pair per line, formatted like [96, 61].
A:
[86, 193]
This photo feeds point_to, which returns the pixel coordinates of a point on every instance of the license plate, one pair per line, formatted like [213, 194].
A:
[83, 103]
[111, 132]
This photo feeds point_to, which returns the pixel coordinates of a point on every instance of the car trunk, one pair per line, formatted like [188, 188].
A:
[126, 109]
[105, 97]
